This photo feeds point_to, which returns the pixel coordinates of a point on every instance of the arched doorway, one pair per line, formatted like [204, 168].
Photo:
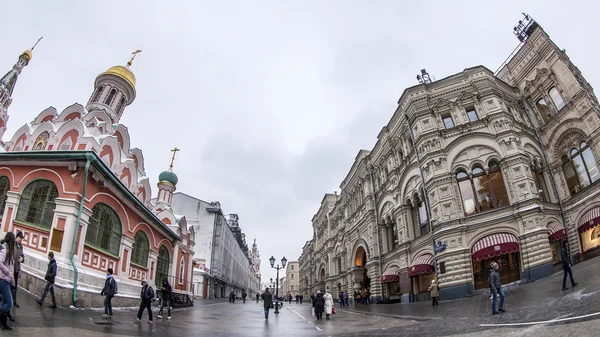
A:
[361, 278]
[322, 275]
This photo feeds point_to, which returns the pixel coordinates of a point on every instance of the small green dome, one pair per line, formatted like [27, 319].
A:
[169, 177]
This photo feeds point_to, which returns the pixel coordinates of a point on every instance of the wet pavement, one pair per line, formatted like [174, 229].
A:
[536, 309]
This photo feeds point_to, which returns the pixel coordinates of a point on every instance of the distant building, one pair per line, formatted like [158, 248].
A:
[292, 277]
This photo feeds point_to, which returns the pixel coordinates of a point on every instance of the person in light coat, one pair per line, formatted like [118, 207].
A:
[328, 304]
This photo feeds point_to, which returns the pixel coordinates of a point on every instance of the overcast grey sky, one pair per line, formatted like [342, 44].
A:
[270, 101]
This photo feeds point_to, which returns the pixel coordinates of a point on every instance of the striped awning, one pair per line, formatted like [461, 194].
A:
[495, 245]
[589, 220]
[556, 232]
[391, 274]
[422, 265]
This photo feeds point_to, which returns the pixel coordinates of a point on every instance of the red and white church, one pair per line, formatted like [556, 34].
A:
[71, 183]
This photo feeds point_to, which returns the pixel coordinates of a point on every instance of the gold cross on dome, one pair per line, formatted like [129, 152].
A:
[132, 57]
[175, 150]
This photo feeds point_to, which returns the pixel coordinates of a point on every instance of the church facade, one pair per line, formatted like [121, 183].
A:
[71, 183]
[476, 167]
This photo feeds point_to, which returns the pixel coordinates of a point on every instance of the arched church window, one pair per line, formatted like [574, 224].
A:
[162, 265]
[110, 97]
[141, 248]
[557, 99]
[37, 203]
[580, 168]
[543, 108]
[4, 188]
[121, 106]
[104, 229]
[97, 94]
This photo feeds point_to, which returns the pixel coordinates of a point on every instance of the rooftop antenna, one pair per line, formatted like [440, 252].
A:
[424, 77]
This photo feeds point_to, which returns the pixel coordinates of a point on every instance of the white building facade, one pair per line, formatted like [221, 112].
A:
[473, 168]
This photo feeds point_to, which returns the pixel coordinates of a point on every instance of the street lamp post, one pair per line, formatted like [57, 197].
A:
[283, 262]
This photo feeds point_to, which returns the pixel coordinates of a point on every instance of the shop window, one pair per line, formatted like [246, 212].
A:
[580, 168]
[543, 108]
[37, 203]
[162, 265]
[141, 248]
[559, 103]
[472, 113]
[448, 122]
[595, 233]
[4, 188]
[104, 229]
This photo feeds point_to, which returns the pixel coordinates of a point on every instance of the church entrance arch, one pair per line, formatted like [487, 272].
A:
[359, 271]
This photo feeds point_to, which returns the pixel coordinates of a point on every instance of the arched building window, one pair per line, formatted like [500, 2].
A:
[120, 106]
[141, 248]
[37, 203]
[557, 99]
[4, 188]
[162, 265]
[97, 94]
[580, 168]
[543, 108]
[181, 270]
[540, 184]
[110, 97]
[482, 190]
[104, 230]
[419, 216]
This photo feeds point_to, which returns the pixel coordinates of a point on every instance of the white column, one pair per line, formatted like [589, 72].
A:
[152, 260]
[10, 211]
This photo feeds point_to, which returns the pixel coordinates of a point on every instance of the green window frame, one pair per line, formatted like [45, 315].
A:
[162, 265]
[37, 203]
[4, 188]
[104, 230]
[141, 249]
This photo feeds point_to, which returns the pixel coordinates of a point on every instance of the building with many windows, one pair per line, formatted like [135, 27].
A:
[292, 285]
[476, 167]
[71, 183]
[223, 262]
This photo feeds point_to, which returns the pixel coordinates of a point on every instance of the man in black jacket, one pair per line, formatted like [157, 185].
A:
[267, 298]
[109, 291]
[566, 262]
[166, 294]
[147, 296]
[50, 278]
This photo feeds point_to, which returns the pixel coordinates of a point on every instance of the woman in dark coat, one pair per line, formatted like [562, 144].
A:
[319, 305]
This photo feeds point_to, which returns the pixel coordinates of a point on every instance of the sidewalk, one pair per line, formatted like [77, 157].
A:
[536, 301]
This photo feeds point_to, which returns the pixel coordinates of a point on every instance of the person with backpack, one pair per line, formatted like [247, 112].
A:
[147, 296]
[7, 277]
[109, 291]
[50, 279]
[166, 296]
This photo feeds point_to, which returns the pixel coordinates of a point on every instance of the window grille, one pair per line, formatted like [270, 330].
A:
[37, 203]
[162, 265]
[141, 247]
[104, 229]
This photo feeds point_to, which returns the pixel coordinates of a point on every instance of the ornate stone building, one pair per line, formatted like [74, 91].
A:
[473, 168]
[71, 183]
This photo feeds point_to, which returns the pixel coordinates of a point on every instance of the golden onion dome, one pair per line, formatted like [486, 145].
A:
[122, 72]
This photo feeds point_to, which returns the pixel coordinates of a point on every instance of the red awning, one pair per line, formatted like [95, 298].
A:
[495, 245]
[422, 265]
[556, 232]
[589, 220]
[391, 275]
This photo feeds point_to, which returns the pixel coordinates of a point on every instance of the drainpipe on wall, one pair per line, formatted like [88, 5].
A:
[376, 225]
[77, 222]
[552, 179]
[425, 196]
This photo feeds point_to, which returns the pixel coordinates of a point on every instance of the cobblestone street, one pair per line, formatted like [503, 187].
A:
[535, 309]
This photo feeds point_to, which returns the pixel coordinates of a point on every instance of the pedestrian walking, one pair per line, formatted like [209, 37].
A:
[267, 298]
[566, 262]
[341, 298]
[50, 279]
[257, 297]
[7, 277]
[109, 291]
[496, 289]
[166, 292]
[328, 304]
[301, 298]
[435, 292]
[244, 295]
[346, 299]
[297, 299]
[319, 305]
[147, 296]
[19, 258]
[232, 297]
